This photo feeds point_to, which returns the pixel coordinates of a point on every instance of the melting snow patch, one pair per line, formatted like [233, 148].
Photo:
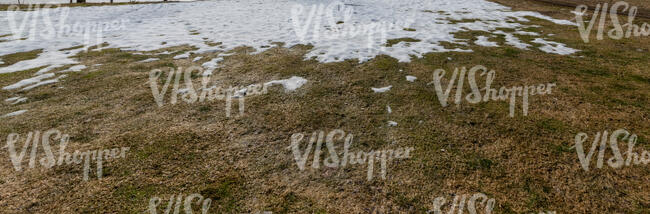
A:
[483, 41]
[389, 109]
[15, 113]
[527, 33]
[262, 24]
[16, 100]
[29, 81]
[211, 65]
[51, 58]
[46, 82]
[48, 69]
[290, 84]
[197, 59]
[382, 90]
[392, 123]
[411, 78]
[183, 56]
[265, 23]
[75, 68]
[12, 99]
[513, 40]
[554, 47]
[149, 60]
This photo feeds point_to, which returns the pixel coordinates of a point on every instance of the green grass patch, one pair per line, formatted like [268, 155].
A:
[392, 42]
[223, 195]
[72, 48]
[552, 125]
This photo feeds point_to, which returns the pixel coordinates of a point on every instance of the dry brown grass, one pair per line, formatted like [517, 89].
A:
[243, 163]
[643, 6]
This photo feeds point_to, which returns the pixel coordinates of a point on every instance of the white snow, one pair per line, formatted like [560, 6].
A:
[513, 40]
[262, 25]
[526, 33]
[392, 123]
[411, 78]
[46, 82]
[75, 68]
[48, 69]
[182, 56]
[211, 65]
[290, 84]
[483, 41]
[16, 100]
[12, 99]
[66, 1]
[16, 113]
[197, 59]
[382, 90]
[554, 47]
[30, 81]
[389, 109]
[149, 60]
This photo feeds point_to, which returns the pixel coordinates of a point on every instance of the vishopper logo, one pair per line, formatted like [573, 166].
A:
[601, 140]
[49, 22]
[189, 94]
[503, 94]
[175, 203]
[460, 200]
[619, 31]
[50, 159]
[348, 157]
[319, 22]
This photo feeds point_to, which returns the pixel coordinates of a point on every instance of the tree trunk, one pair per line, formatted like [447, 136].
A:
[81, 1]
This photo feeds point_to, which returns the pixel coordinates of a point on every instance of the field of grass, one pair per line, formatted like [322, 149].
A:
[243, 163]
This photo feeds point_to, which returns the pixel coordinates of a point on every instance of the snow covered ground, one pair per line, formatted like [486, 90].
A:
[66, 2]
[356, 29]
